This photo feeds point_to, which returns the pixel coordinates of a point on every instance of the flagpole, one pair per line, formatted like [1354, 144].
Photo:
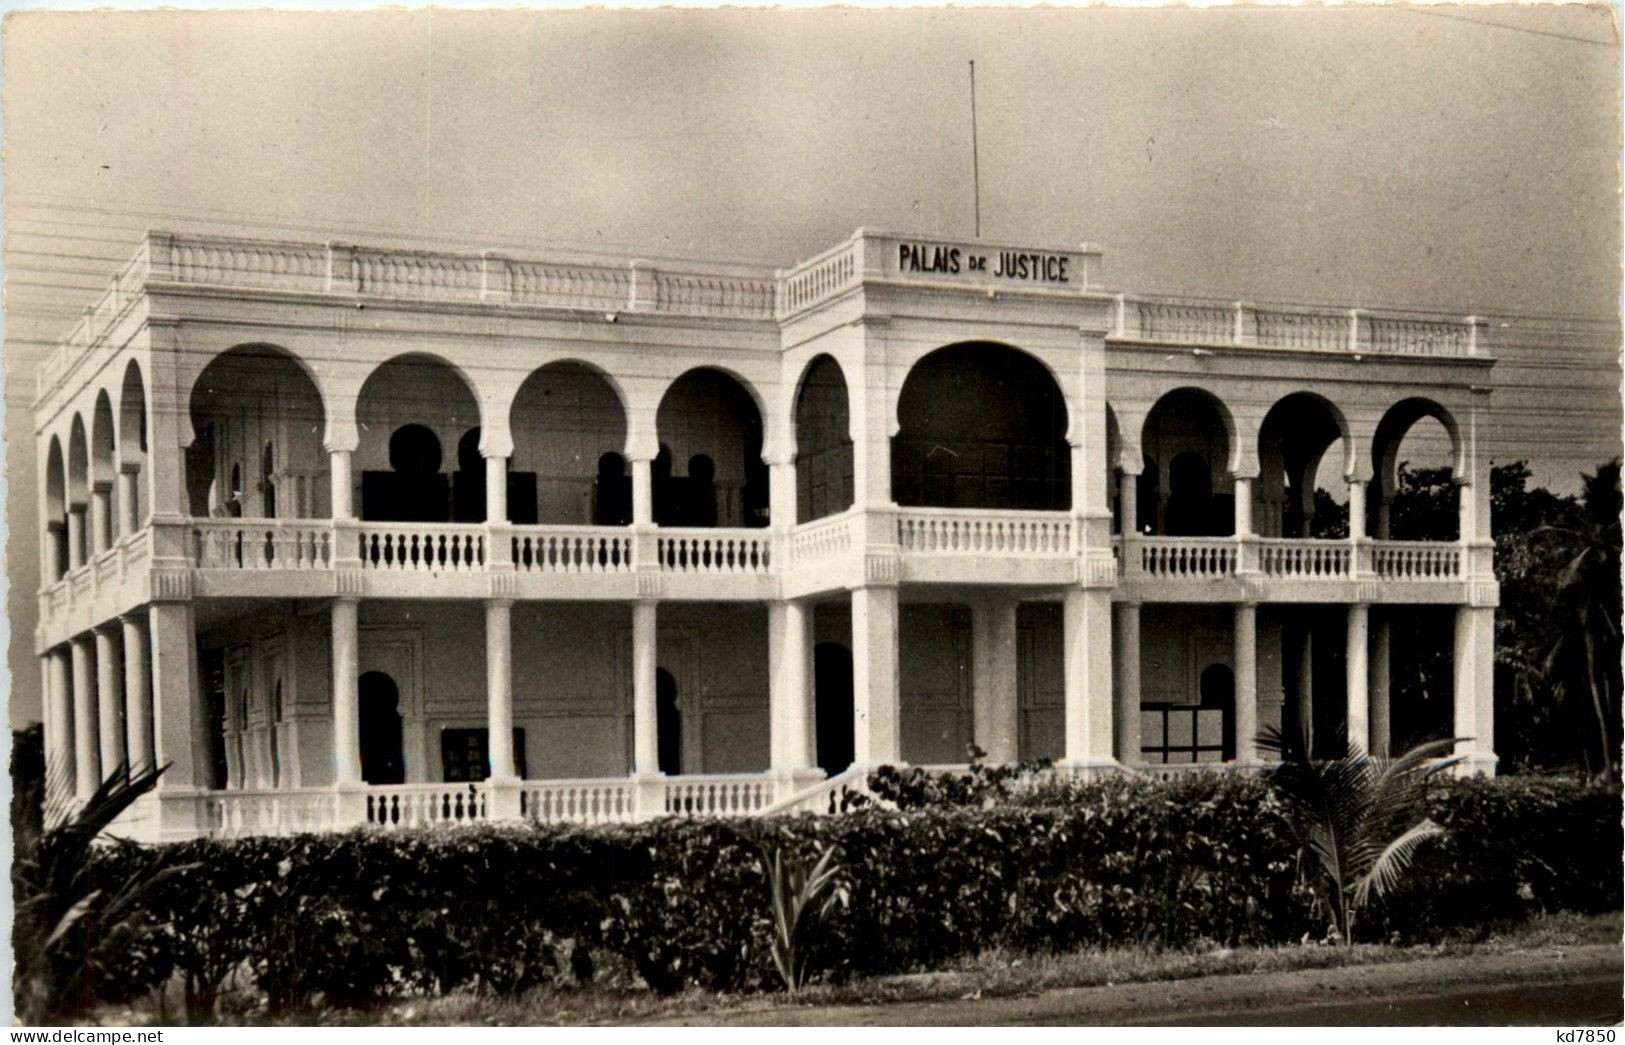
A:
[975, 160]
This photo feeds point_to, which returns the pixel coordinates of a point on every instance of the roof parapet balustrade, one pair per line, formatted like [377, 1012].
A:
[1166, 320]
[722, 292]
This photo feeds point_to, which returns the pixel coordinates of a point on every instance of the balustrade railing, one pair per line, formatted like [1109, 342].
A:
[421, 547]
[1186, 558]
[818, 278]
[1304, 557]
[839, 793]
[422, 805]
[578, 801]
[715, 551]
[741, 795]
[584, 549]
[262, 544]
[947, 531]
[237, 814]
[823, 539]
[1299, 327]
[1415, 561]
[1175, 321]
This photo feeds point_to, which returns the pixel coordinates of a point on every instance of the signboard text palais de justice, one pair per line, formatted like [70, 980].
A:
[1030, 267]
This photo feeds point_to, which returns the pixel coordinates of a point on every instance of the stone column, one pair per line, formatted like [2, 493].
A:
[341, 491]
[60, 759]
[1244, 506]
[128, 500]
[109, 719]
[1127, 683]
[1358, 717]
[1356, 509]
[1303, 698]
[1466, 512]
[1246, 657]
[1128, 504]
[496, 489]
[137, 693]
[781, 493]
[1381, 659]
[876, 706]
[101, 515]
[180, 719]
[55, 543]
[499, 687]
[995, 699]
[346, 692]
[76, 536]
[790, 699]
[86, 730]
[1474, 685]
[645, 663]
[642, 491]
[1087, 649]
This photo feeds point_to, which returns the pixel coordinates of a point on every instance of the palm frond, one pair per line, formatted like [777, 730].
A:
[1392, 862]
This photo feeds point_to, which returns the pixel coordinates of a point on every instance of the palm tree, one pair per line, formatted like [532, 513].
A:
[1583, 656]
[1360, 818]
[68, 933]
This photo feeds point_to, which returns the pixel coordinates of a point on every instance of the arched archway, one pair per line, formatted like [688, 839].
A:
[832, 697]
[707, 418]
[981, 425]
[247, 399]
[132, 444]
[56, 512]
[78, 491]
[668, 723]
[1298, 470]
[1414, 495]
[382, 758]
[1186, 437]
[568, 421]
[409, 411]
[103, 462]
[823, 419]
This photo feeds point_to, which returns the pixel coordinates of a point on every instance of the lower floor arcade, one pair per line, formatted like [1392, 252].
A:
[292, 695]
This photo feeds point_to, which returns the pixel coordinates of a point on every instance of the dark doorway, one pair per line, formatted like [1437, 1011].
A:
[832, 698]
[382, 761]
[668, 723]
[414, 489]
[1218, 690]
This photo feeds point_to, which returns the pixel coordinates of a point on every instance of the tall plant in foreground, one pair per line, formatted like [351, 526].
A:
[795, 891]
[1359, 818]
[71, 938]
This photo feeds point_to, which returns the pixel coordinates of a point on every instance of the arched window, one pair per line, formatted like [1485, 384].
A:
[981, 425]
[382, 760]
[1186, 439]
[708, 417]
[668, 724]
[824, 466]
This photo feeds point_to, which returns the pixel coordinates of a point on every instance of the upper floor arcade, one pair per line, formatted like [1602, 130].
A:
[288, 419]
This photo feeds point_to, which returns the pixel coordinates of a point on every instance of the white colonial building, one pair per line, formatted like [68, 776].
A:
[350, 535]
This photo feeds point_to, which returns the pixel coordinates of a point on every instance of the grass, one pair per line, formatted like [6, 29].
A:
[994, 973]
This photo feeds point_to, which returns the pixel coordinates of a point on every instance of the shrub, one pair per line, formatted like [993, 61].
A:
[358, 917]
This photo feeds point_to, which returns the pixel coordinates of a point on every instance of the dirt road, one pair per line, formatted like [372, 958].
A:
[1578, 985]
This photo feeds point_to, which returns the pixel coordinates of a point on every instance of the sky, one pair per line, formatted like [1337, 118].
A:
[1463, 159]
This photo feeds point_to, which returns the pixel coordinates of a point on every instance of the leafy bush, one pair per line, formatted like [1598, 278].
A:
[352, 918]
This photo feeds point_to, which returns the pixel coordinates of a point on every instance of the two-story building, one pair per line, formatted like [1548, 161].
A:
[349, 535]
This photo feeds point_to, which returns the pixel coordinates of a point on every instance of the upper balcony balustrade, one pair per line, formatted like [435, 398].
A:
[300, 557]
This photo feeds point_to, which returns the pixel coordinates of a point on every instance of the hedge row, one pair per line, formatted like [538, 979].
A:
[357, 917]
